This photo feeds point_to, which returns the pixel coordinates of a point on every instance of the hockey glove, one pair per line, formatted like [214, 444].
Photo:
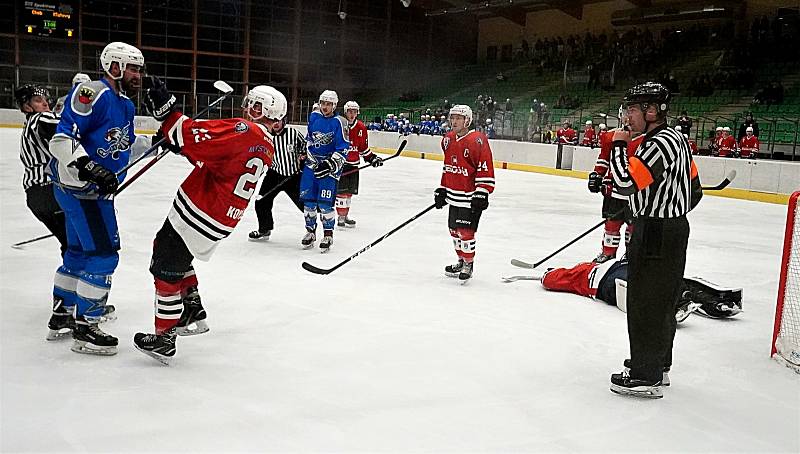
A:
[158, 100]
[480, 202]
[166, 145]
[374, 160]
[93, 172]
[595, 182]
[329, 166]
[440, 198]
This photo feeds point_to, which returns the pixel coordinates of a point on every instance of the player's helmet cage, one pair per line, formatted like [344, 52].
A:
[273, 103]
[123, 54]
[26, 92]
[80, 78]
[461, 109]
[352, 105]
[329, 96]
[647, 94]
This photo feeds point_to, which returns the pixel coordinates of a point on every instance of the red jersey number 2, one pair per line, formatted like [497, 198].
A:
[256, 167]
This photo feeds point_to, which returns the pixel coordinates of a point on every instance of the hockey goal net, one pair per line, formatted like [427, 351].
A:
[786, 335]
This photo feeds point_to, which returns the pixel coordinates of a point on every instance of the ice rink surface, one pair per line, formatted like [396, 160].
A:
[387, 354]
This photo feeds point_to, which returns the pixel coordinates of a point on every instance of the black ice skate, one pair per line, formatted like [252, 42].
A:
[345, 221]
[327, 242]
[685, 309]
[160, 347]
[90, 339]
[454, 270]
[308, 240]
[193, 314]
[664, 374]
[61, 322]
[624, 384]
[466, 273]
[602, 258]
[257, 235]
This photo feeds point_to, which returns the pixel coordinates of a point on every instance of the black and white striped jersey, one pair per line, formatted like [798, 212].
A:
[289, 145]
[657, 178]
[34, 150]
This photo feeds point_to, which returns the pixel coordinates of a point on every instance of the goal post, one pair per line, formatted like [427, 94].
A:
[786, 332]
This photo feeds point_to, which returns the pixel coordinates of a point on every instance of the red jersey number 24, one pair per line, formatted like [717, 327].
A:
[255, 167]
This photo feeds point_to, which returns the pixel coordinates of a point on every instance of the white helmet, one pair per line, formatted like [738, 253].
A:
[749, 129]
[123, 54]
[603, 126]
[726, 129]
[80, 78]
[461, 109]
[273, 103]
[588, 122]
[352, 105]
[488, 121]
[329, 96]
[678, 128]
[719, 129]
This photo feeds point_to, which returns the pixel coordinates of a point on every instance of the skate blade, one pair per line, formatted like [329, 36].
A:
[324, 250]
[90, 349]
[307, 246]
[646, 392]
[451, 274]
[258, 240]
[464, 281]
[200, 327]
[57, 335]
[165, 360]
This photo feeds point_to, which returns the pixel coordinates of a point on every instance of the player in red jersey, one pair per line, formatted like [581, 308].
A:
[229, 156]
[749, 145]
[589, 137]
[566, 135]
[359, 148]
[614, 209]
[727, 147]
[467, 181]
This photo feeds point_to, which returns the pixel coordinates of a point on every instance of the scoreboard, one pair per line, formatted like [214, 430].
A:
[55, 19]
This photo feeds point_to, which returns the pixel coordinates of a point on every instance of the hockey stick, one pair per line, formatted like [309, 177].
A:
[520, 278]
[519, 263]
[396, 154]
[316, 270]
[219, 85]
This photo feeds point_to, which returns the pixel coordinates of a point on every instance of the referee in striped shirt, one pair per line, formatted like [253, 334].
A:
[283, 175]
[40, 125]
[658, 180]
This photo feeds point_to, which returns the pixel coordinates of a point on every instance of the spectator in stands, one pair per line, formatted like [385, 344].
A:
[489, 129]
[685, 123]
[501, 77]
[748, 145]
[509, 106]
[749, 122]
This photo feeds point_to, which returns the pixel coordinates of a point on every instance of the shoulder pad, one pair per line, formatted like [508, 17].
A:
[345, 127]
[86, 95]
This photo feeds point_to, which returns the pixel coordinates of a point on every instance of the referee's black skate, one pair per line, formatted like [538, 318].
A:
[454, 270]
[624, 384]
[664, 375]
[92, 340]
[160, 347]
[193, 314]
[258, 235]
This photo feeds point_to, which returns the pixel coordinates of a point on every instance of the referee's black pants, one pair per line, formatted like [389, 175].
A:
[656, 258]
[273, 184]
[42, 203]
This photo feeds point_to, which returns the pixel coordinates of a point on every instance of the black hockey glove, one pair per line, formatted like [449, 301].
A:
[595, 182]
[440, 198]
[166, 145]
[158, 100]
[480, 202]
[326, 167]
[374, 160]
[93, 172]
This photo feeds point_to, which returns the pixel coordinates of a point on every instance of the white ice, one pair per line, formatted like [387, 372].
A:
[387, 354]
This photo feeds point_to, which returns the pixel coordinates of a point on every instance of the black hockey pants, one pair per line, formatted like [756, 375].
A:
[272, 185]
[42, 203]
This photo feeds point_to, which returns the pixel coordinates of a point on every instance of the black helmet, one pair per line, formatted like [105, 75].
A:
[26, 92]
[648, 93]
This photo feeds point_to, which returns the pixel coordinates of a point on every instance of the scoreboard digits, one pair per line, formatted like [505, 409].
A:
[55, 19]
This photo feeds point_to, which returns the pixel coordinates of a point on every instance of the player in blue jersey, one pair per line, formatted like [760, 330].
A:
[327, 145]
[92, 142]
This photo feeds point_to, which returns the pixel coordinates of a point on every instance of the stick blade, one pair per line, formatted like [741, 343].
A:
[401, 147]
[316, 270]
[521, 264]
[731, 175]
[223, 86]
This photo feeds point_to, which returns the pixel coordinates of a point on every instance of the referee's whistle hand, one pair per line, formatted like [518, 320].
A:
[620, 134]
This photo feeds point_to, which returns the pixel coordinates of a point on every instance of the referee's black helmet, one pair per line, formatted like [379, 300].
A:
[648, 93]
[26, 92]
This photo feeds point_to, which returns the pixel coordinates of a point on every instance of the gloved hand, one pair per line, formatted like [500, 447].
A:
[326, 167]
[166, 145]
[595, 182]
[374, 160]
[93, 172]
[440, 198]
[480, 201]
[158, 100]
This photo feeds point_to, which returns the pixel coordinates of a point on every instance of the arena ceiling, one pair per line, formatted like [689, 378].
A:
[513, 10]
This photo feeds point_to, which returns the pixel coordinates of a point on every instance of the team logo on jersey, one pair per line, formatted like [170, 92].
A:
[118, 140]
[86, 95]
[319, 139]
[479, 141]
[446, 142]
[241, 127]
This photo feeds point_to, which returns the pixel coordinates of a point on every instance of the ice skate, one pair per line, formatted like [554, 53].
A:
[327, 242]
[624, 384]
[90, 339]
[454, 270]
[664, 374]
[160, 347]
[685, 310]
[193, 314]
[61, 322]
[257, 235]
[308, 240]
[466, 273]
[602, 258]
[345, 221]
